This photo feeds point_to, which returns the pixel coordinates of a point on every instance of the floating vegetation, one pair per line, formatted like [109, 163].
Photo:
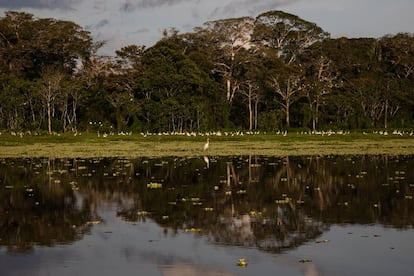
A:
[192, 230]
[161, 164]
[322, 241]
[352, 186]
[254, 213]
[241, 192]
[285, 200]
[93, 222]
[226, 212]
[242, 262]
[154, 185]
[74, 186]
[305, 260]
[142, 213]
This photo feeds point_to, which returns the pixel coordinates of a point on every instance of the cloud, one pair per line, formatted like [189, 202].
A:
[141, 31]
[131, 5]
[230, 7]
[38, 4]
[252, 7]
[102, 23]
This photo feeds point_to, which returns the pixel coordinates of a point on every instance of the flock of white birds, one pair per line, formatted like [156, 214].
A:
[228, 133]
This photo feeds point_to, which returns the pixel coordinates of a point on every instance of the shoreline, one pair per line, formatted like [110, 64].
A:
[194, 148]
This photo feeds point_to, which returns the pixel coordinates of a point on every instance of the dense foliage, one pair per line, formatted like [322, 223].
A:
[271, 72]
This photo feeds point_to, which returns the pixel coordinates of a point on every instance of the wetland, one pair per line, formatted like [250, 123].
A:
[207, 215]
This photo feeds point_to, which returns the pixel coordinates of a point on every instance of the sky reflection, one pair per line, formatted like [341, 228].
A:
[286, 216]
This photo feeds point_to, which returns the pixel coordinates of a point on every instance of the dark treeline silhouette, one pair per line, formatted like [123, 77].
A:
[270, 72]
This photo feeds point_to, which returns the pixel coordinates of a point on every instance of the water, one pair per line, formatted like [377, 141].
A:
[336, 215]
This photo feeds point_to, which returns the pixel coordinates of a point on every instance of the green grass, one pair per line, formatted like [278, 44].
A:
[90, 145]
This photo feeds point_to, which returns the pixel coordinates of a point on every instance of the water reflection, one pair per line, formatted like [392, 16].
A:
[273, 204]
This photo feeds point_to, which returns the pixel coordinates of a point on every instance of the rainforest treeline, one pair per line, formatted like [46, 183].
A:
[275, 71]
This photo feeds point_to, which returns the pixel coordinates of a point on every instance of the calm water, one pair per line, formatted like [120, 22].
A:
[338, 215]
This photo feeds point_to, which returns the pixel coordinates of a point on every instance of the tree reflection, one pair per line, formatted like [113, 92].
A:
[39, 206]
[266, 202]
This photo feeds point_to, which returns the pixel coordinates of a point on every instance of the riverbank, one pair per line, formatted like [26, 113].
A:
[136, 145]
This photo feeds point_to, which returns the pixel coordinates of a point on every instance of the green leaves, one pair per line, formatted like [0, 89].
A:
[222, 75]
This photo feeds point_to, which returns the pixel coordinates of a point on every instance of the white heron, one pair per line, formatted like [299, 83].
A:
[206, 145]
[207, 160]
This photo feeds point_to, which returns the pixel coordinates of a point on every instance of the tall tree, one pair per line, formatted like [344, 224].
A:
[288, 86]
[398, 51]
[342, 71]
[231, 37]
[175, 82]
[396, 54]
[50, 89]
[28, 44]
[320, 81]
[287, 33]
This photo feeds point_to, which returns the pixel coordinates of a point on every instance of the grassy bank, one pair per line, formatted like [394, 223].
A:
[136, 145]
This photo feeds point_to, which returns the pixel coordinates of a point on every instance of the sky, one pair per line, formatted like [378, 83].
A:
[141, 22]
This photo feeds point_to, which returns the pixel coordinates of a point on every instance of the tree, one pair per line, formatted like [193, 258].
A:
[30, 50]
[319, 86]
[28, 44]
[50, 88]
[338, 69]
[287, 33]
[396, 54]
[173, 81]
[251, 91]
[288, 85]
[398, 51]
[129, 57]
[230, 38]
[12, 102]
[225, 74]
[75, 91]
[119, 93]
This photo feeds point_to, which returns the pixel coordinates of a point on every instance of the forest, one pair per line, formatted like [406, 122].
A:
[273, 72]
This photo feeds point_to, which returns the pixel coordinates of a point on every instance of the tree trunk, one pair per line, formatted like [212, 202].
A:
[118, 120]
[256, 106]
[287, 114]
[386, 114]
[228, 82]
[316, 113]
[74, 117]
[313, 122]
[49, 118]
[250, 112]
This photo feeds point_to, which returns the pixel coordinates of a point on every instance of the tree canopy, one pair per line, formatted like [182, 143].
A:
[271, 72]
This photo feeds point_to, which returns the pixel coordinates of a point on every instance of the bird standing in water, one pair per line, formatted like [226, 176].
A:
[206, 145]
